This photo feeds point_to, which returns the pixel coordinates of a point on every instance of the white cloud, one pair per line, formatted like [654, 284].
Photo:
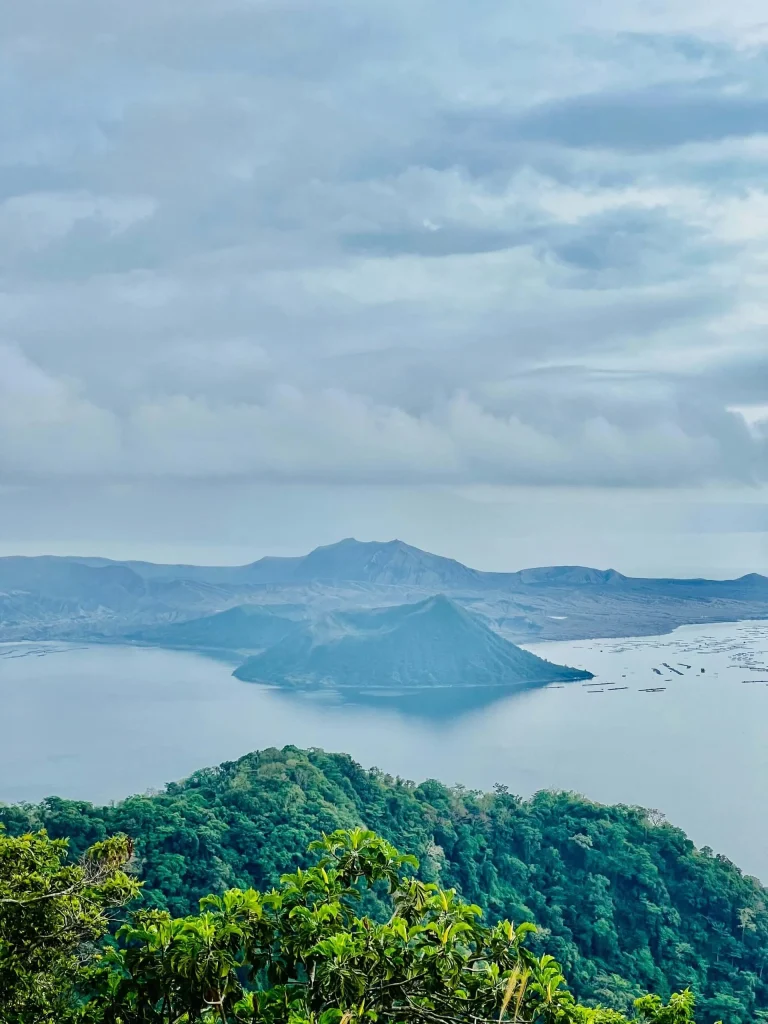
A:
[46, 428]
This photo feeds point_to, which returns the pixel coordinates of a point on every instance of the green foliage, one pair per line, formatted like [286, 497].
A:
[622, 900]
[51, 913]
[301, 954]
[679, 1010]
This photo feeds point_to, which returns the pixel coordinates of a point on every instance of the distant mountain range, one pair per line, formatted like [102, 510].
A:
[391, 563]
[99, 599]
[431, 644]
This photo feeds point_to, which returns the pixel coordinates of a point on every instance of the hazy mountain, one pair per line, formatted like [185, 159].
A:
[111, 585]
[430, 644]
[78, 598]
[393, 563]
[242, 628]
[67, 598]
[349, 561]
[560, 575]
[390, 563]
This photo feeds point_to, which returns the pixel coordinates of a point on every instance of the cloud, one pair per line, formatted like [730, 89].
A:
[646, 119]
[545, 432]
[46, 428]
[303, 241]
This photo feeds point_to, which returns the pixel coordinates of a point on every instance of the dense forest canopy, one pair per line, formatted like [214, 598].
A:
[296, 954]
[621, 899]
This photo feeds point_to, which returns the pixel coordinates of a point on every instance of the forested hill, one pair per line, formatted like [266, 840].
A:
[622, 899]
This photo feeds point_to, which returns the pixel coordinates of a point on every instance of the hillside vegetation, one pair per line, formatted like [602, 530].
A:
[622, 899]
[299, 953]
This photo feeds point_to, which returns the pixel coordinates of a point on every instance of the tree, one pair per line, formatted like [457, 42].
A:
[667, 918]
[299, 954]
[51, 915]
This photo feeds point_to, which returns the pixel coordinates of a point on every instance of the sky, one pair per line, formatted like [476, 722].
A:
[488, 277]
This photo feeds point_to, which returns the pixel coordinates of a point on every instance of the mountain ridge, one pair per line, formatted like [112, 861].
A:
[87, 598]
[350, 560]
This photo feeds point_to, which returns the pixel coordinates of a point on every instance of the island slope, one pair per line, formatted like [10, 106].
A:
[242, 628]
[433, 643]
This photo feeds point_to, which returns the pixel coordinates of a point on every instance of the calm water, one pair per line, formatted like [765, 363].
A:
[101, 722]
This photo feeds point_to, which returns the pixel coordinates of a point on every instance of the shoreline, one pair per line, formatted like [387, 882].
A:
[234, 656]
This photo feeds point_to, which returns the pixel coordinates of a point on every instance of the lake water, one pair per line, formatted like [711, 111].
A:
[99, 723]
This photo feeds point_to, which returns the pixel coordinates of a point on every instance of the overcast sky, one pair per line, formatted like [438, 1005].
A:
[489, 276]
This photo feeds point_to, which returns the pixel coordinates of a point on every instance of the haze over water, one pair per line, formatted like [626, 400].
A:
[99, 723]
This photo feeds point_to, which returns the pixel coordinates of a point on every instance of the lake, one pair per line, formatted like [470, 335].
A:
[101, 722]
